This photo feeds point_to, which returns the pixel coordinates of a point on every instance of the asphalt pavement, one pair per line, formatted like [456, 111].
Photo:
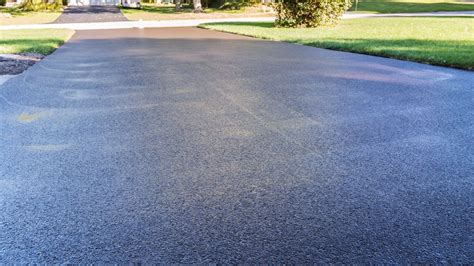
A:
[184, 145]
[90, 14]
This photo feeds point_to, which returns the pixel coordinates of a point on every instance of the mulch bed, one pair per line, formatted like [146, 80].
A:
[12, 64]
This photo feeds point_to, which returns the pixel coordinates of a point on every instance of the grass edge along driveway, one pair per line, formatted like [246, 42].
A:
[43, 41]
[444, 41]
[410, 6]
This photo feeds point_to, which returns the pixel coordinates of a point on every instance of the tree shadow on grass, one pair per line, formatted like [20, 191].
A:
[162, 9]
[15, 11]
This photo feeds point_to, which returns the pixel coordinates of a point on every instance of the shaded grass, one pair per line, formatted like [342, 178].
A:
[411, 6]
[19, 17]
[153, 12]
[438, 41]
[42, 41]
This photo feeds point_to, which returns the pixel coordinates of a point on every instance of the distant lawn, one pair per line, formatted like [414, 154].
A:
[439, 41]
[42, 41]
[18, 17]
[411, 6]
[168, 12]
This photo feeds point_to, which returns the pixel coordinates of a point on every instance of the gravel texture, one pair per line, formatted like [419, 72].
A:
[189, 146]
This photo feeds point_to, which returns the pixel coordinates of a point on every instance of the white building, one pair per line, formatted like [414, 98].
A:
[93, 2]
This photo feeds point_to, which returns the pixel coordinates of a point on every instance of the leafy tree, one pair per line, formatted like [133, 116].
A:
[37, 5]
[310, 13]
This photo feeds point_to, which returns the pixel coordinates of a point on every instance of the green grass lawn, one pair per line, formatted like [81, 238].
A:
[19, 17]
[439, 41]
[168, 12]
[42, 41]
[409, 6]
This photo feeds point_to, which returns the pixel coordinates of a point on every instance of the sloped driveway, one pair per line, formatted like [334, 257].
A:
[88, 14]
[189, 146]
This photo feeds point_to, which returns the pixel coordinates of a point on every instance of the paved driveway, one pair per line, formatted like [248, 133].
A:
[84, 14]
[188, 146]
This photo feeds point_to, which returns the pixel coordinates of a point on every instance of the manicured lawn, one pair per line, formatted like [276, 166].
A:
[153, 12]
[18, 18]
[35, 41]
[439, 41]
[408, 6]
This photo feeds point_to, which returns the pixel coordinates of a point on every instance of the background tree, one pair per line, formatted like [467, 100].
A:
[197, 6]
[37, 5]
[310, 13]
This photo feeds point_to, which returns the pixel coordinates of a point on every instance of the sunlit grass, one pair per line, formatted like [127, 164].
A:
[18, 17]
[439, 41]
[36, 41]
[168, 12]
[409, 6]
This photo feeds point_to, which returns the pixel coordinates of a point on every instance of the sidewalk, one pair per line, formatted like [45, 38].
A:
[196, 22]
[133, 24]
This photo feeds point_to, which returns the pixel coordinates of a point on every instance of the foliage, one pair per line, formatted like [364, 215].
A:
[3, 2]
[310, 13]
[41, 5]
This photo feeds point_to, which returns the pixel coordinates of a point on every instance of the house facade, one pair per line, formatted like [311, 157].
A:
[93, 2]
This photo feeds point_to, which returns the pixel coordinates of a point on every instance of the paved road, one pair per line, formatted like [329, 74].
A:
[89, 14]
[187, 146]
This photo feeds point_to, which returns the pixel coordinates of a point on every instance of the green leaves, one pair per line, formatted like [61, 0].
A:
[40, 5]
[310, 13]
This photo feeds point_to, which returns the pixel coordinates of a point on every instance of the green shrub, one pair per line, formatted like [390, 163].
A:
[3, 2]
[310, 13]
[231, 5]
[41, 5]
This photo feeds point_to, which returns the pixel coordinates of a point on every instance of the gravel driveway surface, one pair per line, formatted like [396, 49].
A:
[190, 146]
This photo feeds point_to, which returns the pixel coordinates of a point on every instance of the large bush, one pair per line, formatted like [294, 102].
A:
[310, 13]
[40, 5]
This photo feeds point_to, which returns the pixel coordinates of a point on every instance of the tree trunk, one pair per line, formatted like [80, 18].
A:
[197, 6]
[178, 5]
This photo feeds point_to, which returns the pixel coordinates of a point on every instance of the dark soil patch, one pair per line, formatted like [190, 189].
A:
[12, 64]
